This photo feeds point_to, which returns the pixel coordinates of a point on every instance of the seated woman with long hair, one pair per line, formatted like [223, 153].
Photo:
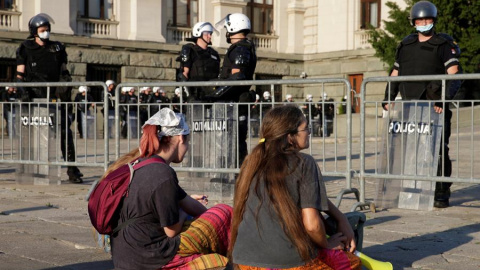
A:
[161, 236]
[279, 196]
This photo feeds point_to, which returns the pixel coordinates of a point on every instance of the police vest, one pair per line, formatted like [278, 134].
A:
[246, 59]
[205, 63]
[419, 58]
[43, 62]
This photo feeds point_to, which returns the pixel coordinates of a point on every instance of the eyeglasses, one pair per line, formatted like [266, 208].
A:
[308, 129]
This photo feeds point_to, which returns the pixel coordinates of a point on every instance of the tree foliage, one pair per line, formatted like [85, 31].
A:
[458, 18]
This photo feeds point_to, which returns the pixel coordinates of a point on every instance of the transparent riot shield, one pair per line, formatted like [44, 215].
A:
[213, 138]
[411, 144]
[37, 143]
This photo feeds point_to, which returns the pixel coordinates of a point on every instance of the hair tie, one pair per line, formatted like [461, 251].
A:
[262, 140]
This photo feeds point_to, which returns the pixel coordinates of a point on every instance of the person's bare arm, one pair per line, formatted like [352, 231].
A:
[314, 226]
[393, 74]
[451, 70]
[173, 230]
[20, 69]
[193, 206]
[343, 226]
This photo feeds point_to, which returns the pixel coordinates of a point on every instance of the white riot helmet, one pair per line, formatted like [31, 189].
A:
[309, 97]
[266, 94]
[143, 89]
[177, 91]
[237, 22]
[156, 89]
[127, 89]
[257, 97]
[288, 96]
[109, 82]
[201, 27]
[82, 89]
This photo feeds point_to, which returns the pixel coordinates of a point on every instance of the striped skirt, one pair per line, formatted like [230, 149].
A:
[204, 241]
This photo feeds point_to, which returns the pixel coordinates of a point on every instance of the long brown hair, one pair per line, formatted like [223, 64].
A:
[268, 162]
[149, 145]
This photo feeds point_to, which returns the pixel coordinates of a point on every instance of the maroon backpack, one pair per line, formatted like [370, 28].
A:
[104, 202]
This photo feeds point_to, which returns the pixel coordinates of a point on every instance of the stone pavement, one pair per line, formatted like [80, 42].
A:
[47, 227]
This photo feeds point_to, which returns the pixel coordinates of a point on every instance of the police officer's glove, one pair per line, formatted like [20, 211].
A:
[221, 91]
[181, 77]
[65, 76]
[22, 92]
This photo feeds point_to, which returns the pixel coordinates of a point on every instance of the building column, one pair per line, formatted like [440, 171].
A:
[296, 12]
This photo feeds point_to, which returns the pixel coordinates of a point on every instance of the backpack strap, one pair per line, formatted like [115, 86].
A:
[133, 167]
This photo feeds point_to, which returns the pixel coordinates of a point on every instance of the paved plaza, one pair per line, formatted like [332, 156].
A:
[47, 226]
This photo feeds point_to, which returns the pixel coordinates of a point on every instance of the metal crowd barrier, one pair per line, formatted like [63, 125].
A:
[334, 152]
[464, 139]
[35, 130]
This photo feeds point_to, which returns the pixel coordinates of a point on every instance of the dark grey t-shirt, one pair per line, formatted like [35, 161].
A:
[154, 195]
[265, 244]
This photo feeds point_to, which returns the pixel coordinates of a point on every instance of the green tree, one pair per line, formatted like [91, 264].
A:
[458, 18]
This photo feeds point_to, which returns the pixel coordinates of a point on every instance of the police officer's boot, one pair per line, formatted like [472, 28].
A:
[74, 175]
[442, 195]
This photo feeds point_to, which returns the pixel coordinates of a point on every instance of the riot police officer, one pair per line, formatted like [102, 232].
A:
[266, 103]
[145, 97]
[111, 106]
[239, 64]
[41, 60]
[130, 112]
[427, 53]
[9, 96]
[198, 61]
[84, 103]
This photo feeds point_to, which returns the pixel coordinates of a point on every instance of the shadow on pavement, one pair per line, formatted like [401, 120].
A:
[28, 209]
[380, 220]
[404, 252]
[100, 265]
[461, 197]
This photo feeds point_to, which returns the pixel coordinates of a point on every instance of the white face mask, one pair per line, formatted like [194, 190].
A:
[424, 28]
[44, 35]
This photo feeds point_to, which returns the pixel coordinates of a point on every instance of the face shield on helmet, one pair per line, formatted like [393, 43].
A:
[82, 89]
[200, 28]
[37, 21]
[423, 10]
[234, 23]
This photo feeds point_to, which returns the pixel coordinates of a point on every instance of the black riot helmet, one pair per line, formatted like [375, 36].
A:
[38, 21]
[423, 9]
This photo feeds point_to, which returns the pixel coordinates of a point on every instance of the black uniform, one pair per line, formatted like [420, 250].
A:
[203, 64]
[145, 99]
[82, 111]
[308, 110]
[241, 55]
[44, 64]
[9, 110]
[129, 112]
[255, 118]
[266, 105]
[110, 110]
[432, 57]
[157, 99]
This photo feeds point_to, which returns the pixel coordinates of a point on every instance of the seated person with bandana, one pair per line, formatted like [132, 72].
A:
[166, 236]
